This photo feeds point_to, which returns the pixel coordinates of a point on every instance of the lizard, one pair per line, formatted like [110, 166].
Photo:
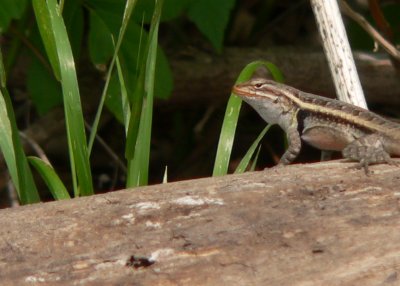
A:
[324, 123]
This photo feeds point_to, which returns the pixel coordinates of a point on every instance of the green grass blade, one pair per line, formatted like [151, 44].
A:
[55, 185]
[14, 155]
[126, 108]
[231, 117]
[139, 165]
[3, 78]
[135, 115]
[227, 135]
[249, 154]
[136, 105]
[6, 143]
[43, 19]
[77, 144]
[165, 177]
[130, 4]
[11, 147]
[253, 165]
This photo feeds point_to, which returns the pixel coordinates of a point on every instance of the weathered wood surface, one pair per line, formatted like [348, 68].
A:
[315, 224]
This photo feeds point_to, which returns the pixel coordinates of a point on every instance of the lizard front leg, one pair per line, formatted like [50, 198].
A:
[367, 150]
[293, 150]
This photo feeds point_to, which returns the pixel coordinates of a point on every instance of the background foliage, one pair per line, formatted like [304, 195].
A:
[129, 56]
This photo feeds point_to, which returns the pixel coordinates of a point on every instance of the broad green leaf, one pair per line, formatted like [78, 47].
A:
[100, 45]
[11, 9]
[130, 59]
[51, 178]
[131, 56]
[171, 10]
[229, 124]
[211, 17]
[113, 8]
[44, 96]
[111, 12]
[73, 19]
[174, 8]
[113, 99]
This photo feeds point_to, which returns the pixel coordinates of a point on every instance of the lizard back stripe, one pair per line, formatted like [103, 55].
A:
[337, 109]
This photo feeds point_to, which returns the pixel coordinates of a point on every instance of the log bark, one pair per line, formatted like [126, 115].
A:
[314, 224]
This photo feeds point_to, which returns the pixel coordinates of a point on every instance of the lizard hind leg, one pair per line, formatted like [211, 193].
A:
[367, 150]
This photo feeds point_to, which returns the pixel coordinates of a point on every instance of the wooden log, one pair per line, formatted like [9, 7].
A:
[314, 224]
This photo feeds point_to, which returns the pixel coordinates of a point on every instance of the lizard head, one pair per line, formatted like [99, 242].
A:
[269, 98]
[260, 88]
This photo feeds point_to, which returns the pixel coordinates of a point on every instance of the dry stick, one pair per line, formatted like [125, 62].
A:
[379, 18]
[389, 48]
[35, 146]
[338, 52]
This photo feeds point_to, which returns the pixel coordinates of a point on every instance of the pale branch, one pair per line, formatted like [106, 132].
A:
[338, 52]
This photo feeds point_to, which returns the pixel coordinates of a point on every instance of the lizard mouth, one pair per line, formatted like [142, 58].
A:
[243, 91]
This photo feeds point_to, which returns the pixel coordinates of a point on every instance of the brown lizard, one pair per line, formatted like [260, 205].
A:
[324, 123]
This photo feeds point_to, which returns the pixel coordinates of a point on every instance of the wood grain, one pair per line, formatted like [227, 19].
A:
[315, 224]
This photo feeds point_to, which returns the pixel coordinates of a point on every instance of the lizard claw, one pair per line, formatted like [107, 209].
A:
[363, 164]
[393, 162]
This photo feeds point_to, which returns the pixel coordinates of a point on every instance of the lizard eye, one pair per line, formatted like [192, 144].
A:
[258, 85]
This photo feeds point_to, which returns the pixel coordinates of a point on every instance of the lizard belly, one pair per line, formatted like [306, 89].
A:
[392, 146]
[327, 138]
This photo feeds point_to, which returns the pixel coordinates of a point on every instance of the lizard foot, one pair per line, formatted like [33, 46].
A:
[367, 150]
